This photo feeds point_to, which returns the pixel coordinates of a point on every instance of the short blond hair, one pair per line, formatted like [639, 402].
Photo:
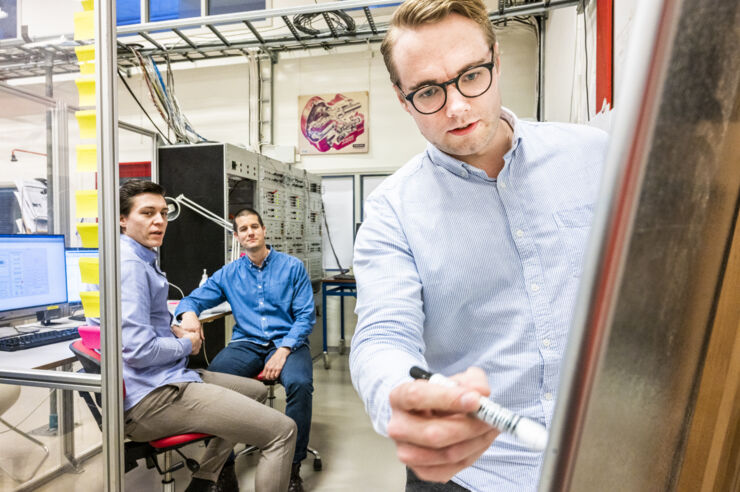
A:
[414, 13]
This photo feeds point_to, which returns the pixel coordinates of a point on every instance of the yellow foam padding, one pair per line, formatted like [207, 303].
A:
[87, 68]
[86, 121]
[84, 25]
[87, 158]
[85, 53]
[87, 4]
[90, 270]
[86, 89]
[88, 234]
[91, 303]
[86, 58]
[87, 203]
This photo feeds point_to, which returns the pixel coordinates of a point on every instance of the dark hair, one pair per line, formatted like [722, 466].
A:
[128, 191]
[246, 211]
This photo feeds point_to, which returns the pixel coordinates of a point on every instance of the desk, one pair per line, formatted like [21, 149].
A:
[335, 287]
[51, 357]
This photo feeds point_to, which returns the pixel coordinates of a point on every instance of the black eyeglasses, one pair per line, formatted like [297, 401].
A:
[473, 82]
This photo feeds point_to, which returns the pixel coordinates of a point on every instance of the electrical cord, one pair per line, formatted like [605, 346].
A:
[328, 235]
[178, 289]
[128, 88]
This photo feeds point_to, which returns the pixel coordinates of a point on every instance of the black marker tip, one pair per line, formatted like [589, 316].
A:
[417, 372]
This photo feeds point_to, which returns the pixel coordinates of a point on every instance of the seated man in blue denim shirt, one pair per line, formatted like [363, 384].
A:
[163, 397]
[272, 301]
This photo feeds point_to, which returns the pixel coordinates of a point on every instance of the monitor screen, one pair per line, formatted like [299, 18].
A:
[74, 283]
[32, 272]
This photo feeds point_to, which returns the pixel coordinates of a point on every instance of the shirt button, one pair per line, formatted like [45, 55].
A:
[502, 184]
[548, 396]
[259, 286]
[519, 233]
[263, 319]
[546, 342]
[535, 287]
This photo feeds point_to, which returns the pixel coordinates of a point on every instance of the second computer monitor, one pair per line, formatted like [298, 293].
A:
[74, 282]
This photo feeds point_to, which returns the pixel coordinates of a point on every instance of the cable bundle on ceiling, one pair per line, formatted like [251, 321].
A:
[338, 19]
[162, 94]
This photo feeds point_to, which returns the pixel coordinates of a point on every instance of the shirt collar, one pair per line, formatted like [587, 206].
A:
[463, 169]
[146, 254]
[265, 261]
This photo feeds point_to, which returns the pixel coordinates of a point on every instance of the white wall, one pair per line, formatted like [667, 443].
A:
[564, 59]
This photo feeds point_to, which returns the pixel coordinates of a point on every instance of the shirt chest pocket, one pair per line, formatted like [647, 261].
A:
[574, 225]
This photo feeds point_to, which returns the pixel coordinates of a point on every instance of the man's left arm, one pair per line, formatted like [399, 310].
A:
[302, 306]
[303, 309]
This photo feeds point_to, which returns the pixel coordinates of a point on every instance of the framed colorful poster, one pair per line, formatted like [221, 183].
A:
[333, 123]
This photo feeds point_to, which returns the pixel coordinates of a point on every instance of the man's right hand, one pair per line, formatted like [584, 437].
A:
[191, 323]
[434, 432]
[195, 340]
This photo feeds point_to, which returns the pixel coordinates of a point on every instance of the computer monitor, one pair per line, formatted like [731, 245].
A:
[74, 282]
[32, 275]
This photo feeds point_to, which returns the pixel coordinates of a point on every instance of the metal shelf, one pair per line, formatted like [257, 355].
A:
[268, 32]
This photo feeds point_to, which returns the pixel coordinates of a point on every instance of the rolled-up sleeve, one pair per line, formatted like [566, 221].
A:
[206, 296]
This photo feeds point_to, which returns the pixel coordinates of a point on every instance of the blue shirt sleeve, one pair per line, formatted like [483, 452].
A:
[204, 297]
[141, 345]
[302, 307]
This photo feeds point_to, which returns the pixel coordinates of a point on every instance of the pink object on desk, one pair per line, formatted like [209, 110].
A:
[90, 336]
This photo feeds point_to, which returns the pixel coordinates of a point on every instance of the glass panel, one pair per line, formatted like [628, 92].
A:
[230, 6]
[128, 12]
[160, 10]
[9, 19]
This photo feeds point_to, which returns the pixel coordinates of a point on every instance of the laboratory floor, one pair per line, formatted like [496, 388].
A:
[354, 457]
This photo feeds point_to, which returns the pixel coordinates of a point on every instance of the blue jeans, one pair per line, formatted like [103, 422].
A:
[247, 359]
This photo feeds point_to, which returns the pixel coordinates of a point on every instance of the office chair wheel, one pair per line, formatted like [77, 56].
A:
[317, 465]
[192, 465]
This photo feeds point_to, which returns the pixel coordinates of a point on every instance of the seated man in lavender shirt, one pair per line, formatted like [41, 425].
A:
[163, 397]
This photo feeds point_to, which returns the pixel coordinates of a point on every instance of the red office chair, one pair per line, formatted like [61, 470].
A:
[87, 352]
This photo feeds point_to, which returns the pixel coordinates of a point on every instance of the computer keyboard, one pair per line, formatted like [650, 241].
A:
[29, 340]
[77, 317]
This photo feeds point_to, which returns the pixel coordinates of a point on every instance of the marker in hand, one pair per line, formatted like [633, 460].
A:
[528, 432]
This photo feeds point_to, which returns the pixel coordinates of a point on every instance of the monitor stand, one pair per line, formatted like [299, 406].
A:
[45, 317]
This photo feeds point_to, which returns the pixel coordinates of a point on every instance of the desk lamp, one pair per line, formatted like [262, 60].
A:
[174, 206]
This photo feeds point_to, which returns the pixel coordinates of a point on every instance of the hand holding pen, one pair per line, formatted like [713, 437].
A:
[434, 427]
[528, 432]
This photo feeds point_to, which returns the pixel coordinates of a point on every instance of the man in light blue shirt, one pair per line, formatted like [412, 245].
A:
[272, 300]
[164, 397]
[468, 260]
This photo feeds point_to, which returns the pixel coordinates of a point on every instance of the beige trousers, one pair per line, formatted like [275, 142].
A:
[229, 407]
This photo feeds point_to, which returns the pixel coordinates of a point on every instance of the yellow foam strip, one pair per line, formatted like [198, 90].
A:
[87, 158]
[84, 25]
[89, 235]
[91, 303]
[87, 203]
[86, 89]
[86, 121]
[90, 270]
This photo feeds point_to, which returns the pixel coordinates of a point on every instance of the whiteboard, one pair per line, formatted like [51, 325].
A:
[339, 206]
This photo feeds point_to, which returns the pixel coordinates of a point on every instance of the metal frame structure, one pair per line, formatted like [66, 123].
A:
[268, 31]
